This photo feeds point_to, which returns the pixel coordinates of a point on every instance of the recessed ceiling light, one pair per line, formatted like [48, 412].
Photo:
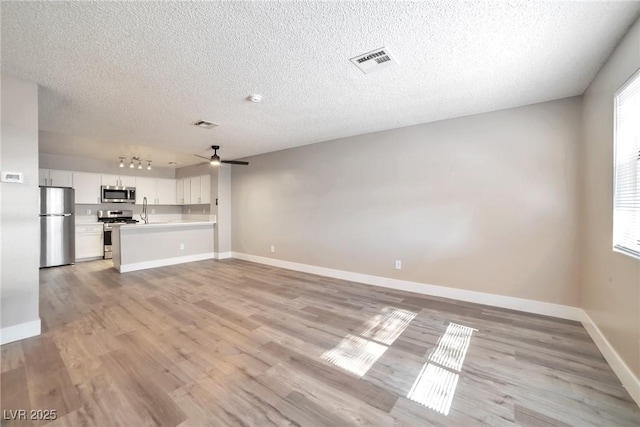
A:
[205, 124]
[174, 162]
[254, 98]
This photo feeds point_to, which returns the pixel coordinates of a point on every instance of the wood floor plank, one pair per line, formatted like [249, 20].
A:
[234, 343]
[12, 356]
[333, 377]
[142, 391]
[15, 397]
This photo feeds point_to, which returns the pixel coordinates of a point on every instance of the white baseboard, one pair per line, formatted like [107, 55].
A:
[125, 268]
[621, 369]
[520, 304]
[224, 255]
[19, 331]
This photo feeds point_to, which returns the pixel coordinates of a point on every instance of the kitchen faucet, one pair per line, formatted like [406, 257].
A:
[144, 215]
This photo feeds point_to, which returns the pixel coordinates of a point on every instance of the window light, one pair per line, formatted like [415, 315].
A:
[626, 197]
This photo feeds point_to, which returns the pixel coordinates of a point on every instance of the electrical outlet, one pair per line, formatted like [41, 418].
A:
[398, 264]
[181, 246]
[88, 211]
[153, 211]
[273, 248]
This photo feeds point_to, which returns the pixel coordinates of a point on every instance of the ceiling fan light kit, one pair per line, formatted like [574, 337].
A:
[215, 159]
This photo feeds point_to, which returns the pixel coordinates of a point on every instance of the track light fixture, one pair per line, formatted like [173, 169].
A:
[132, 161]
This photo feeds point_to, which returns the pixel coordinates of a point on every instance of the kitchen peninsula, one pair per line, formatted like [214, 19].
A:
[142, 246]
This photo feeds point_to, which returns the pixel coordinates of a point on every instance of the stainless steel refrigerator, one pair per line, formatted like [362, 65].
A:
[57, 226]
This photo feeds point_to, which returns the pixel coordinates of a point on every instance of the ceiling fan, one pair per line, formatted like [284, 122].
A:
[215, 159]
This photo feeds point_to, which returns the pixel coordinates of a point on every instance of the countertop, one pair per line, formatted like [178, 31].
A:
[163, 224]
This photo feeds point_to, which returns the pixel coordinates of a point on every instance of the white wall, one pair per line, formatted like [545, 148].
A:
[20, 226]
[486, 203]
[610, 280]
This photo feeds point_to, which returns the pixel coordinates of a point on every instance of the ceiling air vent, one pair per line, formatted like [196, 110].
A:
[375, 60]
[205, 124]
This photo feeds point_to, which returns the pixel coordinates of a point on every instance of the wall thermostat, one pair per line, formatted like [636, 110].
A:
[14, 177]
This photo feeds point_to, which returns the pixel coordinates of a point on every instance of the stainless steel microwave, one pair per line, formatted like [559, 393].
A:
[115, 194]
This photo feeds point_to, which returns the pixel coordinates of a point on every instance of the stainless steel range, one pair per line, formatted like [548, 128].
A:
[108, 218]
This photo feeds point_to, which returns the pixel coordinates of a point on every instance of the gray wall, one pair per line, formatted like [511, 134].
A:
[611, 281]
[20, 226]
[145, 244]
[223, 226]
[55, 161]
[486, 203]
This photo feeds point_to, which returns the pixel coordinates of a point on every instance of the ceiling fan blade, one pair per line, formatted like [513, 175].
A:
[202, 157]
[234, 162]
[203, 163]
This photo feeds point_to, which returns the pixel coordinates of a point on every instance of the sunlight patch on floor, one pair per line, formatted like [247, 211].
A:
[436, 383]
[357, 354]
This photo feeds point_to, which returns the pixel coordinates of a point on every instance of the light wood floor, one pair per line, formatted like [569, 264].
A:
[236, 343]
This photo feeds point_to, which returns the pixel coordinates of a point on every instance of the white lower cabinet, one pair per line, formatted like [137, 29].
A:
[89, 241]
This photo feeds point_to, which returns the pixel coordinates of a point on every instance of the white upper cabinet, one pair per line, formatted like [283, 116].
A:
[180, 191]
[87, 186]
[205, 189]
[43, 177]
[127, 181]
[55, 178]
[113, 180]
[185, 184]
[159, 191]
[195, 190]
[166, 191]
[119, 180]
[145, 187]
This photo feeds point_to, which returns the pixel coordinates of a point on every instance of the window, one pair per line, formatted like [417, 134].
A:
[626, 197]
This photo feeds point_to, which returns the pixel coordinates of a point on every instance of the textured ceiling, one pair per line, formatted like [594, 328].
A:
[128, 78]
